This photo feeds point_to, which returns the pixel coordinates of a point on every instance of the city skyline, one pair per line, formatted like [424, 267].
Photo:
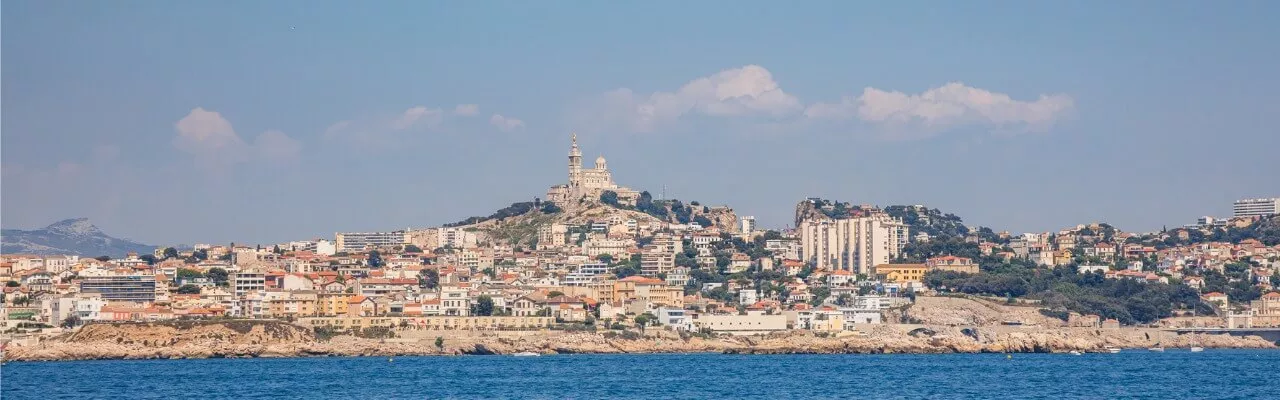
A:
[300, 124]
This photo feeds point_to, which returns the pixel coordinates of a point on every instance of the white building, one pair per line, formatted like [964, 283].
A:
[748, 224]
[360, 241]
[1256, 207]
[853, 244]
[588, 183]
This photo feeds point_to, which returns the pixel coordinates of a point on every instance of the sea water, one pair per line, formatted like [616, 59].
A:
[1174, 374]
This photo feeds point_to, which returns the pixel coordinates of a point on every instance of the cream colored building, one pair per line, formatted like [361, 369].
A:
[853, 244]
[588, 183]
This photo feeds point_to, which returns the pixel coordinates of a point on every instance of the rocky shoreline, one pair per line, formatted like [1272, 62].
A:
[234, 339]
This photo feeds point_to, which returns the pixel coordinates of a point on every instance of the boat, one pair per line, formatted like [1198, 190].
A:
[1196, 349]
[526, 354]
[1157, 349]
[1076, 353]
[1113, 350]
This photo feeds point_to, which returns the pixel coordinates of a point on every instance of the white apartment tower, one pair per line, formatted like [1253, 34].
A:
[1256, 207]
[854, 244]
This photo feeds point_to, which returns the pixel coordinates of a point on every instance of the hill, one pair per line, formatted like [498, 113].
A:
[76, 236]
[518, 223]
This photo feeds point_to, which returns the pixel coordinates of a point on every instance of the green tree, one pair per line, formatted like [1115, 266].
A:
[1275, 279]
[609, 197]
[71, 321]
[844, 300]
[169, 252]
[554, 293]
[430, 279]
[12, 284]
[189, 289]
[412, 249]
[819, 294]
[643, 320]
[483, 306]
[490, 272]
[149, 258]
[217, 275]
[440, 343]
[703, 221]
[103, 258]
[605, 258]
[186, 274]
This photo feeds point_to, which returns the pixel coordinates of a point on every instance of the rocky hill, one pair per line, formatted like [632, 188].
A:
[517, 225]
[75, 236]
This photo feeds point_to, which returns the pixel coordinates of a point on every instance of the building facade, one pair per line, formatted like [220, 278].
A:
[134, 288]
[360, 241]
[588, 183]
[1256, 207]
[853, 244]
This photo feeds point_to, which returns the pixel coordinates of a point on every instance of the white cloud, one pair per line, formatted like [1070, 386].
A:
[467, 110]
[506, 124]
[211, 139]
[745, 91]
[274, 145]
[411, 116]
[946, 106]
[204, 131]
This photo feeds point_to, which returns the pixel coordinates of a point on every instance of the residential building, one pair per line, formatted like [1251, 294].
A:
[747, 224]
[246, 281]
[854, 244]
[133, 288]
[751, 324]
[953, 263]
[902, 273]
[360, 241]
[1256, 207]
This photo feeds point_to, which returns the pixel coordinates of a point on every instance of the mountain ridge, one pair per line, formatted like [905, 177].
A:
[72, 236]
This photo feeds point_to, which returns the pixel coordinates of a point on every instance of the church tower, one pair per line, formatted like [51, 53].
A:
[575, 163]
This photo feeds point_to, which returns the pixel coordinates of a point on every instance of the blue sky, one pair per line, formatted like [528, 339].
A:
[181, 122]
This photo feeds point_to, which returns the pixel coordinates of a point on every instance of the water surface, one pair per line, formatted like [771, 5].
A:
[1225, 374]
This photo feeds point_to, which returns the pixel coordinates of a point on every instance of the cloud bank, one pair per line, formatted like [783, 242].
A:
[209, 137]
[751, 91]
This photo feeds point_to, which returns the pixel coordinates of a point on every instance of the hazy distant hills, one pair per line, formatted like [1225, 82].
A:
[76, 236]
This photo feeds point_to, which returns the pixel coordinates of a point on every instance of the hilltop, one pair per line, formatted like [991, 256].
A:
[76, 236]
[518, 223]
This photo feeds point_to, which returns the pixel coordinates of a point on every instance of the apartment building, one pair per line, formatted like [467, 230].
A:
[1256, 207]
[135, 288]
[853, 244]
[360, 241]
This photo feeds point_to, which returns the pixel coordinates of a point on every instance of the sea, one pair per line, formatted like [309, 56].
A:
[1131, 374]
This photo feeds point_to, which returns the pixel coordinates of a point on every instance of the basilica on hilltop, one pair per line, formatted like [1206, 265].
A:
[588, 183]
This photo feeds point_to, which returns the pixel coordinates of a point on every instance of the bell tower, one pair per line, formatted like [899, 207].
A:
[575, 163]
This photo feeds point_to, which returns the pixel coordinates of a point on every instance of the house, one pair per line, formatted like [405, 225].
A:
[902, 273]
[1216, 298]
[953, 263]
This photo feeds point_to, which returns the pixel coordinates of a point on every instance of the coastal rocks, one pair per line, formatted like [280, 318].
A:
[233, 339]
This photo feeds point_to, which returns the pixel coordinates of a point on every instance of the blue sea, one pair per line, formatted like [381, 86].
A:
[1175, 374]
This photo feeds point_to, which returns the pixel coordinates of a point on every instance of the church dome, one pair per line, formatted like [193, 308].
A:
[600, 163]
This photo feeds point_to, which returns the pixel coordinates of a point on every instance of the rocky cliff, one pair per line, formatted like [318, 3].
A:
[279, 339]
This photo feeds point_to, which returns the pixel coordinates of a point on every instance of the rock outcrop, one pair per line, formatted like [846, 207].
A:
[213, 339]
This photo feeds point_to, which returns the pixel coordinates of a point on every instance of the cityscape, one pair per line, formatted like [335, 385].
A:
[597, 256]
[639, 200]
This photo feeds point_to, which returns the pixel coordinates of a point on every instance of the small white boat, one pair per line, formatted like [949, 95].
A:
[1196, 349]
[526, 354]
[1076, 353]
[1113, 350]
[1157, 349]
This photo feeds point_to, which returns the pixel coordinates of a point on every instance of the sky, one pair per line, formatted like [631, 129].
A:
[261, 122]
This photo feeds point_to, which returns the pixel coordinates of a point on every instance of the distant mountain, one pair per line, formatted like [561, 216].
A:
[76, 236]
